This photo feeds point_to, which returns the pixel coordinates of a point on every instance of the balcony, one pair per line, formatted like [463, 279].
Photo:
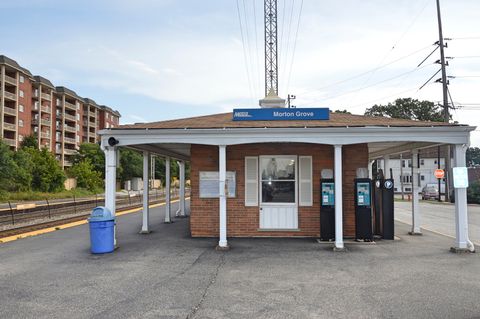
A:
[92, 114]
[45, 135]
[58, 150]
[45, 109]
[9, 126]
[10, 80]
[46, 122]
[70, 117]
[70, 106]
[68, 151]
[9, 111]
[67, 163]
[10, 96]
[69, 128]
[46, 97]
[69, 140]
[59, 115]
[59, 127]
[9, 141]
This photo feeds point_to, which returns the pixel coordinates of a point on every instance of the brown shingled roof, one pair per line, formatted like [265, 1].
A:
[224, 120]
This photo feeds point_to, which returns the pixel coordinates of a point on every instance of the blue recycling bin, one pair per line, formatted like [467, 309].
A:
[102, 230]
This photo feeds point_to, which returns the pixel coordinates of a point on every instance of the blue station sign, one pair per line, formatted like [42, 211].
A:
[281, 114]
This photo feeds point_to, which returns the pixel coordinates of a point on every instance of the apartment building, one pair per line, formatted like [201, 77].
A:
[59, 118]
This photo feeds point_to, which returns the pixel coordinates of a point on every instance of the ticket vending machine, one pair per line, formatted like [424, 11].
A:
[384, 209]
[363, 209]
[327, 209]
[388, 225]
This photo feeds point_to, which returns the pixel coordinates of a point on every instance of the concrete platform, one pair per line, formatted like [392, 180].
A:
[167, 274]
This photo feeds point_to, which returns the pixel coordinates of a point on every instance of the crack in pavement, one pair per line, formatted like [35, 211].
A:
[197, 307]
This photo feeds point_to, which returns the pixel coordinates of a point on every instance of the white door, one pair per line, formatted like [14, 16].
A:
[278, 192]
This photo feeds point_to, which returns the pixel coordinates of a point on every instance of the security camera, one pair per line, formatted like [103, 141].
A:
[112, 141]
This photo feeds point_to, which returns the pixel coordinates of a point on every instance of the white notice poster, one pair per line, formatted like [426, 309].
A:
[209, 184]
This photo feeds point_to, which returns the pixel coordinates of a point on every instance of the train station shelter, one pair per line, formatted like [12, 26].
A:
[237, 158]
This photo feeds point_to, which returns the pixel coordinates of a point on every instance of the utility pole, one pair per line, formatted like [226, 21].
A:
[446, 112]
[291, 97]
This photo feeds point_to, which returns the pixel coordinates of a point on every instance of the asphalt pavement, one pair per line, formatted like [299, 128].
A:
[168, 274]
[440, 217]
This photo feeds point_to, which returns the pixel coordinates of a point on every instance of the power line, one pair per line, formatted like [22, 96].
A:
[244, 51]
[464, 38]
[290, 21]
[367, 72]
[259, 73]
[399, 40]
[294, 46]
[376, 83]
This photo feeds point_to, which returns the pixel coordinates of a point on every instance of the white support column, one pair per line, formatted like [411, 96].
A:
[111, 180]
[338, 199]
[386, 166]
[167, 190]
[416, 230]
[222, 169]
[181, 171]
[370, 169]
[462, 243]
[146, 193]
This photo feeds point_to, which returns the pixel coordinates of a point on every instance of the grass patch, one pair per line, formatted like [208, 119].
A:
[31, 195]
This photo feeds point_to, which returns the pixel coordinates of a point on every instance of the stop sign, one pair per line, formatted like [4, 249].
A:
[439, 173]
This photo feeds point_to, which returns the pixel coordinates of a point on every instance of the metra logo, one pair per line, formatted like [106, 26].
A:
[242, 114]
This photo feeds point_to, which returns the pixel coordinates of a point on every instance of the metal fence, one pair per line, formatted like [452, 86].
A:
[50, 210]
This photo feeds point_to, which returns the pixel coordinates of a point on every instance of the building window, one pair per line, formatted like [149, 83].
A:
[22, 79]
[21, 93]
[20, 123]
[20, 138]
[21, 108]
[78, 117]
[78, 127]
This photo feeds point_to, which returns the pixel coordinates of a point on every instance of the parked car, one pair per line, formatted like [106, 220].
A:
[429, 192]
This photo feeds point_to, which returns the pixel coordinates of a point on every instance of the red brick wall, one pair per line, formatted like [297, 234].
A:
[26, 101]
[244, 221]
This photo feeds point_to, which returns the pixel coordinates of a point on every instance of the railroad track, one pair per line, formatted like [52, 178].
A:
[55, 216]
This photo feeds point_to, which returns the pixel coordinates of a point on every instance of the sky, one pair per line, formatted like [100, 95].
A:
[155, 60]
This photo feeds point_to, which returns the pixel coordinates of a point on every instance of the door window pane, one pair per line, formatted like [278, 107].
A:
[278, 192]
[277, 168]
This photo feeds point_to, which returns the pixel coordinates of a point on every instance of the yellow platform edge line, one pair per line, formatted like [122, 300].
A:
[73, 224]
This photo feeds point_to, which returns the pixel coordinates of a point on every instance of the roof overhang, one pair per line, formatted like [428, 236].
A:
[382, 140]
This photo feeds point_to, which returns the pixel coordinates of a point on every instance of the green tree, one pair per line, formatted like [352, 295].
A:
[8, 168]
[342, 111]
[86, 175]
[24, 172]
[29, 141]
[94, 154]
[47, 175]
[473, 156]
[131, 164]
[408, 108]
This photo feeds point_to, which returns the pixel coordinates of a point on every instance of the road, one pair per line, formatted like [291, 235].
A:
[440, 217]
